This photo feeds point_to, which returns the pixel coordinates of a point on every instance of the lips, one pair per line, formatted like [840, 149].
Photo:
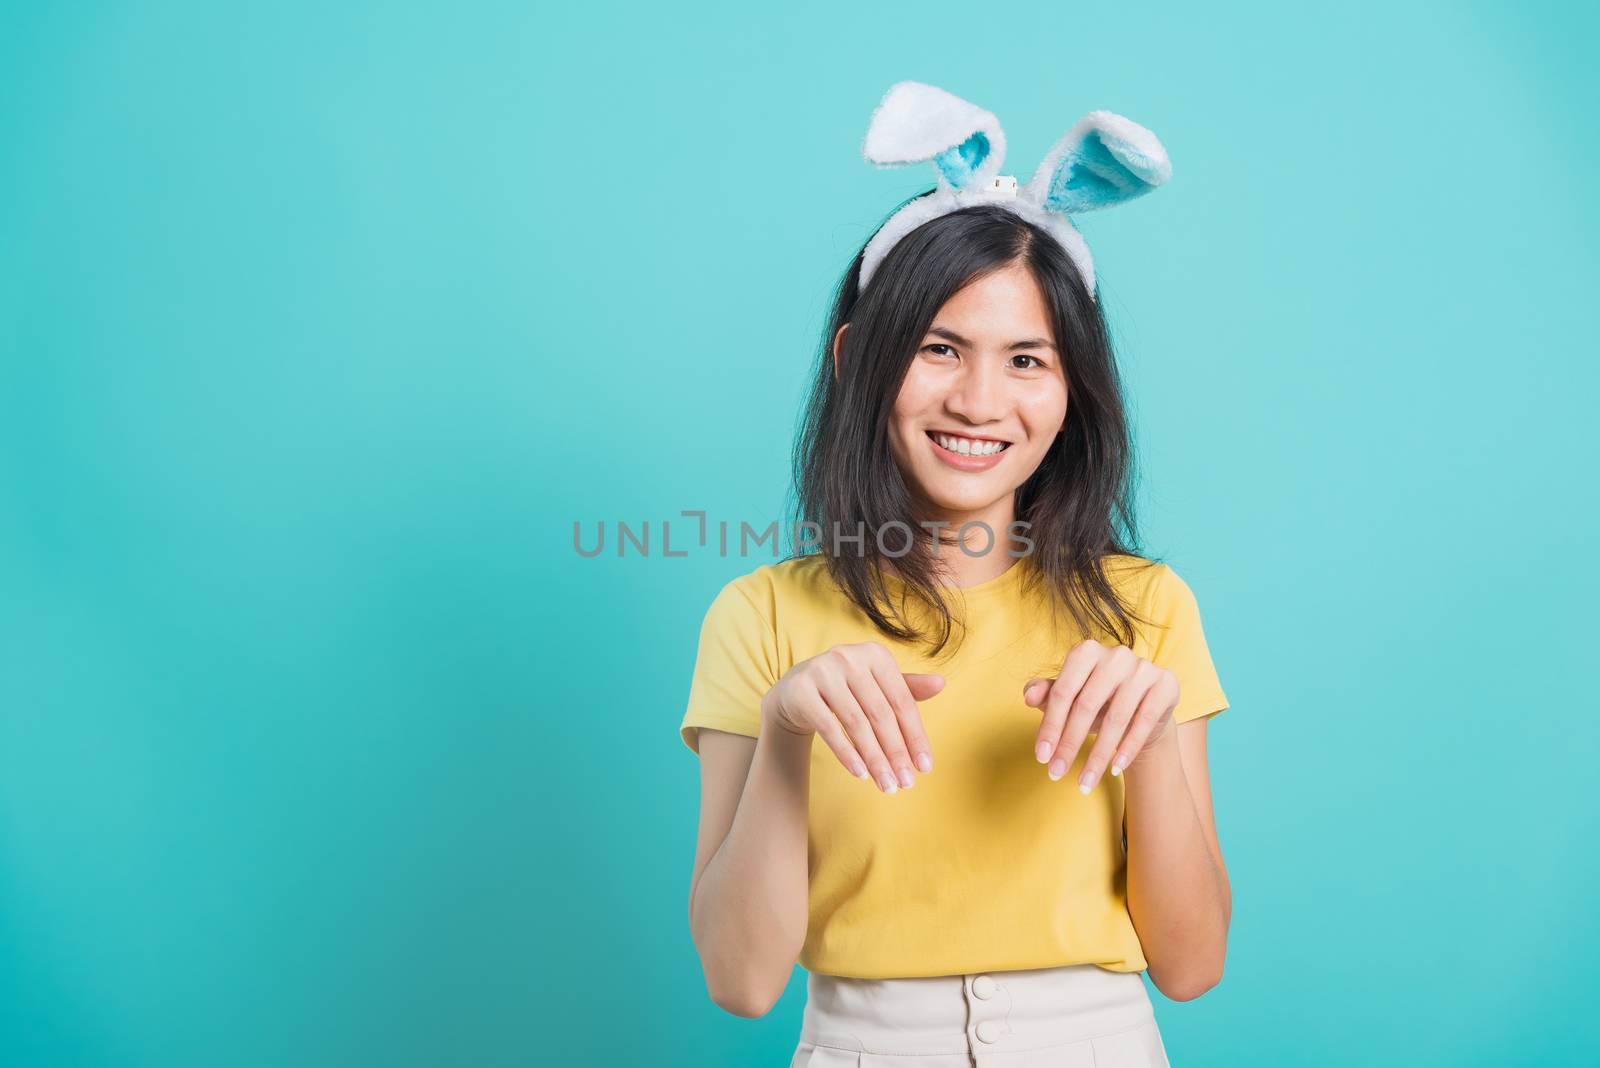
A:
[968, 445]
[989, 451]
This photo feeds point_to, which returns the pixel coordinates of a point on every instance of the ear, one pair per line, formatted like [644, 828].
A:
[838, 341]
[1103, 160]
[918, 123]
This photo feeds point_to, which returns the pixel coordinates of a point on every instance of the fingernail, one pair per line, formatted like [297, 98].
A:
[888, 785]
[1116, 766]
[1042, 751]
[907, 779]
[924, 762]
[1058, 769]
[1086, 783]
[861, 772]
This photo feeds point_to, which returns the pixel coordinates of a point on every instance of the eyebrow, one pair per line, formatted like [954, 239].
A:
[1025, 343]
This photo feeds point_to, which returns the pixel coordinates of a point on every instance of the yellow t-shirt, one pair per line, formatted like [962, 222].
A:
[986, 864]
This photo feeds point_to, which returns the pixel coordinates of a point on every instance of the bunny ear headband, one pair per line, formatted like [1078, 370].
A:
[1103, 160]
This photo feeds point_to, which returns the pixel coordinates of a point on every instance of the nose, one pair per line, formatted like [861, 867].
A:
[978, 396]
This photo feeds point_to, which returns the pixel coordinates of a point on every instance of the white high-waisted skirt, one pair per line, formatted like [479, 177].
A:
[1075, 1016]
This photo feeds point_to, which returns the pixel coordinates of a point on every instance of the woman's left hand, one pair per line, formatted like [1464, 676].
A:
[1107, 689]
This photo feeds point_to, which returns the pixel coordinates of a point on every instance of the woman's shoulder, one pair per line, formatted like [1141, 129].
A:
[1131, 571]
[1153, 586]
[783, 580]
[1148, 585]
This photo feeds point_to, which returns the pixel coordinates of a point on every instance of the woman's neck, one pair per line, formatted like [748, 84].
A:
[988, 544]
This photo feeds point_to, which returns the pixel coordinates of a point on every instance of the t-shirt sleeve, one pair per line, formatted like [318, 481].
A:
[1178, 643]
[735, 666]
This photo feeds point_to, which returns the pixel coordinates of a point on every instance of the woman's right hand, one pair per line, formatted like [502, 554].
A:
[863, 706]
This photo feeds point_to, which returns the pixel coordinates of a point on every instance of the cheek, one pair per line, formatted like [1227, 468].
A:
[1043, 413]
[918, 392]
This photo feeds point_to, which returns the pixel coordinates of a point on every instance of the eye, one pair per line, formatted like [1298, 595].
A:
[936, 345]
[1036, 361]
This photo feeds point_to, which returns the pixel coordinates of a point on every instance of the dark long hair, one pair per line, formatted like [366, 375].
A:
[1079, 502]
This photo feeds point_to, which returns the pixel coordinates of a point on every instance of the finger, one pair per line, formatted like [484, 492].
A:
[1057, 702]
[1036, 690]
[832, 732]
[1119, 713]
[1162, 699]
[836, 692]
[923, 687]
[885, 721]
[900, 695]
[1114, 666]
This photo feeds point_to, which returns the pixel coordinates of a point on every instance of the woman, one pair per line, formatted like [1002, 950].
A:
[973, 606]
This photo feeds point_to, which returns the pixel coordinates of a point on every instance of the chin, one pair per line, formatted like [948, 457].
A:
[947, 504]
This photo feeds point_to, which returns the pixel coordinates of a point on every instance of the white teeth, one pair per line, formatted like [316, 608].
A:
[968, 447]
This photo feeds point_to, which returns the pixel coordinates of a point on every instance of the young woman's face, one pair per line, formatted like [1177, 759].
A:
[983, 400]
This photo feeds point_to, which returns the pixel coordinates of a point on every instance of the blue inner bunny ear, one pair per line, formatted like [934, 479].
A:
[1091, 177]
[958, 164]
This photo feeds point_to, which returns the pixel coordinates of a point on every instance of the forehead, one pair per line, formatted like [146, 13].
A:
[1002, 301]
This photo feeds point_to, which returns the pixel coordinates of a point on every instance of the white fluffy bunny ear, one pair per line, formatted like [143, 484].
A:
[1103, 160]
[917, 123]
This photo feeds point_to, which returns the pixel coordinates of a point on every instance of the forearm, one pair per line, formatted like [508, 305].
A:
[1178, 894]
[748, 911]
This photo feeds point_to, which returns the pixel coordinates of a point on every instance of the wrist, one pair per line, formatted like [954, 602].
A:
[1160, 749]
[773, 720]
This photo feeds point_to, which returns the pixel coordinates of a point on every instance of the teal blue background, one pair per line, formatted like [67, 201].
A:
[322, 324]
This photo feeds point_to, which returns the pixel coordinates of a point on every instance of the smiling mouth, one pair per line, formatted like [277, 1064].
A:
[962, 446]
